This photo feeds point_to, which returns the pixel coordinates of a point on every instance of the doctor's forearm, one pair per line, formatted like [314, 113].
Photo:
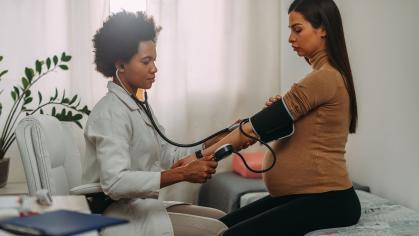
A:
[235, 138]
[172, 176]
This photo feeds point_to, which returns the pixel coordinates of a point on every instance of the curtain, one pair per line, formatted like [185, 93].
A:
[86, 17]
[37, 29]
[218, 61]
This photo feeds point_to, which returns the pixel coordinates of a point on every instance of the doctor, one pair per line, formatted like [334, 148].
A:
[123, 151]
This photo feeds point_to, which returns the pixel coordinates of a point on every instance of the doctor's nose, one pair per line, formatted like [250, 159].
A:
[154, 68]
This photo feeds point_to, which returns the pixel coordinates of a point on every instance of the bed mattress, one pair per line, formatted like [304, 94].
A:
[379, 217]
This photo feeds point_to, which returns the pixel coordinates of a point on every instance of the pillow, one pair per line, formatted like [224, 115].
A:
[253, 159]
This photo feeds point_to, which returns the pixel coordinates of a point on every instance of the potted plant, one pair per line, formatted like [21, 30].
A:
[23, 97]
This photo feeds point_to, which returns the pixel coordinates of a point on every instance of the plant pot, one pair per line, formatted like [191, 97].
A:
[4, 171]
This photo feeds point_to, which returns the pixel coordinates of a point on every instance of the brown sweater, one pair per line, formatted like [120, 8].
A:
[312, 159]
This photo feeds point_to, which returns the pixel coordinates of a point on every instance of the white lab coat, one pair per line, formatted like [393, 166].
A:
[125, 154]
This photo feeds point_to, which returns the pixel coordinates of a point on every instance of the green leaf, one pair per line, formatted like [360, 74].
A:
[63, 96]
[40, 97]
[41, 111]
[65, 100]
[53, 111]
[27, 93]
[78, 117]
[48, 63]
[3, 72]
[27, 100]
[73, 100]
[29, 73]
[38, 66]
[55, 59]
[78, 124]
[1, 107]
[1, 58]
[14, 95]
[25, 82]
[64, 67]
[65, 58]
[16, 91]
[56, 94]
[85, 110]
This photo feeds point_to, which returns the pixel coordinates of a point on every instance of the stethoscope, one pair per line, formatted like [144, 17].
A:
[219, 154]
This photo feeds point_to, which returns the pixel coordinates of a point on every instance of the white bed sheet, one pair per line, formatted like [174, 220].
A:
[379, 217]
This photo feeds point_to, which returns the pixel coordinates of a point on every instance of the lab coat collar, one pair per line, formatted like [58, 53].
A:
[121, 94]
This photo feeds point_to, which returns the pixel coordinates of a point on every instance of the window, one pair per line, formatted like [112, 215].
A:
[128, 5]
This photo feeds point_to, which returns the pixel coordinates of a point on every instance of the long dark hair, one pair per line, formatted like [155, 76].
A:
[325, 13]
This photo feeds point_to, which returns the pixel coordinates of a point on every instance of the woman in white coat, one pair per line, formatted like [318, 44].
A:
[123, 152]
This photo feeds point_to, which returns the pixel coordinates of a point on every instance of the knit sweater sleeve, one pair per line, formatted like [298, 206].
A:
[315, 89]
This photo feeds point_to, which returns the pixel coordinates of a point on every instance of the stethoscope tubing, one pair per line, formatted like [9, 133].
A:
[146, 108]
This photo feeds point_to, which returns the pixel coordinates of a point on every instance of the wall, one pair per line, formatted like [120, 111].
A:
[37, 29]
[27, 36]
[382, 39]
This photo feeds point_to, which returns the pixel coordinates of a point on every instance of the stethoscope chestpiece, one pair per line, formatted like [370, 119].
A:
[222, 152]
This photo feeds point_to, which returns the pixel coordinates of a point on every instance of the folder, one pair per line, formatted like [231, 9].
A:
[60, 223]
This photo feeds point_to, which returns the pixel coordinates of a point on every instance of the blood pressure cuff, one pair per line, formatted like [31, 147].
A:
[273, 122]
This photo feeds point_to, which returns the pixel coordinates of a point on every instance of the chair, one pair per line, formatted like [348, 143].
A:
[50, 156]
[52, 160]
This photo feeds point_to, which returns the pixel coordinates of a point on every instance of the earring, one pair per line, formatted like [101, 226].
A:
[117, 72]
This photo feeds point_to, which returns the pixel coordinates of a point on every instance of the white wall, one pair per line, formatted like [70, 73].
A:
[383, 42]
[38, 29]
[25, 34]
[382, 38]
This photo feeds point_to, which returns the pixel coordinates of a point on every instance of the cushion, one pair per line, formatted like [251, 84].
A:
[253, 159]
[223, 190]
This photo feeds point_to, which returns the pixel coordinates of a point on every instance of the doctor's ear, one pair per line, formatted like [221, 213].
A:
[120, 67]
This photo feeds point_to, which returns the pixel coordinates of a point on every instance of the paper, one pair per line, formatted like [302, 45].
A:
[9, 202]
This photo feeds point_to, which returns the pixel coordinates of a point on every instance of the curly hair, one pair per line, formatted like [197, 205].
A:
[119, 37]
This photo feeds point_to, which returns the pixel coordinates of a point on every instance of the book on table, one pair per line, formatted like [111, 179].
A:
[59, 223]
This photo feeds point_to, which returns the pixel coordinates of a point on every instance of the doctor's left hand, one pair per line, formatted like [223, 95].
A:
[199, 171]
[184, 161]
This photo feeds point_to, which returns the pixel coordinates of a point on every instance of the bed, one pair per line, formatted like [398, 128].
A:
[380, 217]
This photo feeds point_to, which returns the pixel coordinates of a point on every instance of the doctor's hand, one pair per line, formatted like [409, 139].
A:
[272, 100]
[199, 171]
[184, 161]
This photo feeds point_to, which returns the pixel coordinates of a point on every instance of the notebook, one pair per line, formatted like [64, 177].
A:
[60, 223]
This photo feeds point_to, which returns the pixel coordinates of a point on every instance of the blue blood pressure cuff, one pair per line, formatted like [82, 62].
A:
[273, 122]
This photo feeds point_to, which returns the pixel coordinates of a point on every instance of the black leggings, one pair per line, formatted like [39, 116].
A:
[295, 214]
